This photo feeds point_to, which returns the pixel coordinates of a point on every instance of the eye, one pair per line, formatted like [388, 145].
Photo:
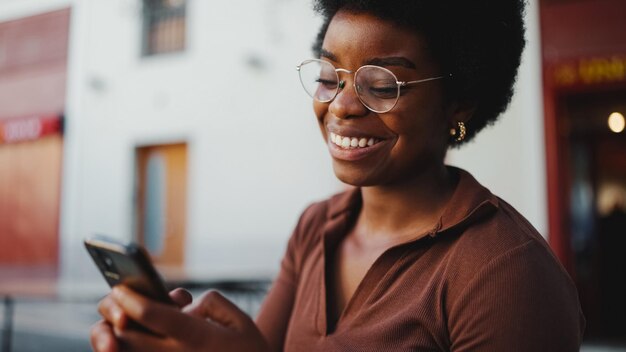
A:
[383, 89]
[327, 83]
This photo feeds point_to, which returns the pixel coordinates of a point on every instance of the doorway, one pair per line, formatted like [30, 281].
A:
[592, 124]
[161, 202]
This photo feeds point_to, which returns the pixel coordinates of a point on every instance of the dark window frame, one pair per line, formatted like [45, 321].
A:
[164, 27]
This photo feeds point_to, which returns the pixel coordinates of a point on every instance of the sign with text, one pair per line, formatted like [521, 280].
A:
[590, 71]
[29, 128]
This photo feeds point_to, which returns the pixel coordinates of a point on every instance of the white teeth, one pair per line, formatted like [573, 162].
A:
[352, 142]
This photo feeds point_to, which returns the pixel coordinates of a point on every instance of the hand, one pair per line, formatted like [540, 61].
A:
[213, 323]
[102, 333]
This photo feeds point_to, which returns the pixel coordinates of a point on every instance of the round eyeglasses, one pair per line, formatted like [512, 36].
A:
[376, 87]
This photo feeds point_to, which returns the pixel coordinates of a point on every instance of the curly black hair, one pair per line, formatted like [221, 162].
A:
[479, 42]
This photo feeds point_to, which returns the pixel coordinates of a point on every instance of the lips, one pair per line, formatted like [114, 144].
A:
[348, 142]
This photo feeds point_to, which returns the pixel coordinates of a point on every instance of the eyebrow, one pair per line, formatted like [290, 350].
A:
[327, 54]
[392, 61]
[378, 61]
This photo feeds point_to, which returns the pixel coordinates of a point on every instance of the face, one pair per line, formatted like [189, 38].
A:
[401, 144]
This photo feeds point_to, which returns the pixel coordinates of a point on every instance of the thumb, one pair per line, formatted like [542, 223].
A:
[217, 308]
[181, 297]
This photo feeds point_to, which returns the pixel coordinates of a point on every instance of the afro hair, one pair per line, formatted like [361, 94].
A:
[478, 42]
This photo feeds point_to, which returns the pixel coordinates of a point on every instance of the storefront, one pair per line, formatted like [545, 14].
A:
[33, 70]
[584, 65]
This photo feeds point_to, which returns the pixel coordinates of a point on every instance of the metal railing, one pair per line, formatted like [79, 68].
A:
[33, 324]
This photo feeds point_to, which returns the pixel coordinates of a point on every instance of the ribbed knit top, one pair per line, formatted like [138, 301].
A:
[482, 280]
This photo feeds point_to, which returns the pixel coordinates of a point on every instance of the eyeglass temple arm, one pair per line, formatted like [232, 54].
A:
[340, 70]
[402, 84]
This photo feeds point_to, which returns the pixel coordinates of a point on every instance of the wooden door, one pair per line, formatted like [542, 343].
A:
[162, 201]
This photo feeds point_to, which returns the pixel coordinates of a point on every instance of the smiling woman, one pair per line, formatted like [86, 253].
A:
[412, 133]
[418, 256]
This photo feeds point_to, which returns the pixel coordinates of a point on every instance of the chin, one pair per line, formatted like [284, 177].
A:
[355, 178]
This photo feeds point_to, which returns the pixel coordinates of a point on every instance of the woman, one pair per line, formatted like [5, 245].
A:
[419, 256]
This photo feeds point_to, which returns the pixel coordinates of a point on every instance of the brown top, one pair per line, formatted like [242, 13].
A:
[482, 280]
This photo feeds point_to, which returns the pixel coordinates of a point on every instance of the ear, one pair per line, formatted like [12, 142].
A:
[460, 112]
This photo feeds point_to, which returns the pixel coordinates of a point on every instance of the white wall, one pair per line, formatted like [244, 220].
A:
[255, 155]
[509, 157]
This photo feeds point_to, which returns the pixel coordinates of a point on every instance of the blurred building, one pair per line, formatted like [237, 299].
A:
[584, 81]
[185, 128]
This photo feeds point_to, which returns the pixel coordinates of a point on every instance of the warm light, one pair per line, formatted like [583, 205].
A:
[616, 122]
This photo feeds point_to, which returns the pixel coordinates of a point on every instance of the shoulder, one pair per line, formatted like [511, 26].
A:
[317, 216]
[503, 234]
[506, 241]
[480, 227]
[499, 268]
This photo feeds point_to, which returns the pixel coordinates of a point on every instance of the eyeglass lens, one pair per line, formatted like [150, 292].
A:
[376, 87]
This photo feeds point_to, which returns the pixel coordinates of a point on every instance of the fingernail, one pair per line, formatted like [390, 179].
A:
[116, 292]
[102, 344]
[116, 314]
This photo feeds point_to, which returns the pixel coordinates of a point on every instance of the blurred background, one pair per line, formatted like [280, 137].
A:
[181, 124]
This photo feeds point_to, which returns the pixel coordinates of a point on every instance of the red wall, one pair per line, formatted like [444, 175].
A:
[576, 29]
[33, 59]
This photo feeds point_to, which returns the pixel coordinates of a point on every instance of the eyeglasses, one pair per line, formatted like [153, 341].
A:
[376, 87]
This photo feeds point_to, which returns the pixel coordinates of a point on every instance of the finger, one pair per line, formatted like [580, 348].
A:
[112, 312]
[216, 307]
[102, 338]
[132, 340]
[181, 297]
[160, 318]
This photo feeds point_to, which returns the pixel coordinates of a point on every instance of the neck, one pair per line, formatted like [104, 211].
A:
[405, 210]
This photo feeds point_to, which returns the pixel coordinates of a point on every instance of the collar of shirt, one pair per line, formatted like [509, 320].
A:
[470, 202]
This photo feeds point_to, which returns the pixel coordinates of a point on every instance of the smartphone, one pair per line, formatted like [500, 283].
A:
[127, 264]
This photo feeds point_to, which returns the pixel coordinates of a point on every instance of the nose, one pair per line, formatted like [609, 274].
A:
[346, 103]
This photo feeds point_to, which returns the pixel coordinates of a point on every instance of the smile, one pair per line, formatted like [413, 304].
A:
[352, 142]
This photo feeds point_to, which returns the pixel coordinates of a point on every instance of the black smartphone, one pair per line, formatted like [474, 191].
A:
[128, 264]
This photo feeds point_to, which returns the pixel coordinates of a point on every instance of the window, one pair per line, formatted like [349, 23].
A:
[163, 26]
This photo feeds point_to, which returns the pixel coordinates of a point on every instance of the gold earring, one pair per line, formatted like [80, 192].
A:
[460, 135]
